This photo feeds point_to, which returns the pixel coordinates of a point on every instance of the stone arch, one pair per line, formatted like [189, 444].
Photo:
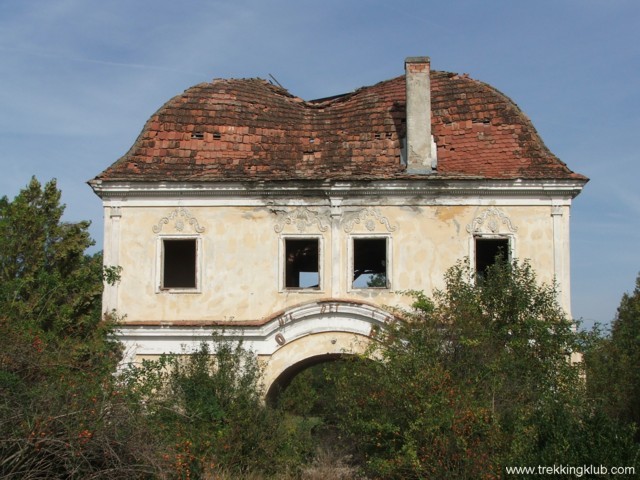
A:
[305, 352]
[286, 341]
[318, 332]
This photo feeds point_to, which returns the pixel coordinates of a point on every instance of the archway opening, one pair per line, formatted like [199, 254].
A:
[316, 389]
[309, 394]
[306, 374]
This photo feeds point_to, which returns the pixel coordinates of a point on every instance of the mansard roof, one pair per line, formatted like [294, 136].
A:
[251, 130]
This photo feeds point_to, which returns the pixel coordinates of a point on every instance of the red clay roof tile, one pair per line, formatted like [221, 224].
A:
[248, 129]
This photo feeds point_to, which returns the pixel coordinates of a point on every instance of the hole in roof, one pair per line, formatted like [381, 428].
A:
[197, 135]
[217, 135]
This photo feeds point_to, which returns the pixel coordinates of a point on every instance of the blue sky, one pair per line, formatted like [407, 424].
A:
[78, 79]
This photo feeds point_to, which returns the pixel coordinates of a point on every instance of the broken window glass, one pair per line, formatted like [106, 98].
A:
[302, 266]
[370, 263]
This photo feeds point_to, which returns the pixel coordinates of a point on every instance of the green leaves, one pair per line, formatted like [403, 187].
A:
[613, 373]
[207, 410]
[60, 413]
[47, 281]
[476, 378]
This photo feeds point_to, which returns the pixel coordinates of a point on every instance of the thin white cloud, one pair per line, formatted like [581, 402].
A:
[69, 58]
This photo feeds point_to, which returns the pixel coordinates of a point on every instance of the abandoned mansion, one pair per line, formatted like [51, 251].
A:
[292, 223]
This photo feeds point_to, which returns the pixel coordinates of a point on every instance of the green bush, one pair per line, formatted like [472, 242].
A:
[473, 380]
[208, 409]
[61, 414]
[613, 376]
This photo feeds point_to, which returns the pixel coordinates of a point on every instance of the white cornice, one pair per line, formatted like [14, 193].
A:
[264, 338]
[569, 188]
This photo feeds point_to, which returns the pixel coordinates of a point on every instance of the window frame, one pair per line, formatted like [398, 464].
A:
[160, 264]
[282, 263]
[351, 260]
[511, 239]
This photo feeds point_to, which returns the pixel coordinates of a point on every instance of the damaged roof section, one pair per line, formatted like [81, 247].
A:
[249, 129]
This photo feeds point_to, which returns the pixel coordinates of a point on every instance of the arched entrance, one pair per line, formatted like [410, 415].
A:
[316, 333]
[281, 383]
[286, 342]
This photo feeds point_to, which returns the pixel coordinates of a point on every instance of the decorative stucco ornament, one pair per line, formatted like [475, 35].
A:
[181, 218]
[490, 222]
[367, 215]
[302, 218]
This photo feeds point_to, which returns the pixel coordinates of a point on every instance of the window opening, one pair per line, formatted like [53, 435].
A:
[370, 263]
[488, 252]
[302, 263]
[179, 263]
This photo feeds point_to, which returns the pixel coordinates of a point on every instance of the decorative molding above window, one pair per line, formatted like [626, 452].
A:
[303, 218]
[180, 218]
[491, 221]
[369, 217]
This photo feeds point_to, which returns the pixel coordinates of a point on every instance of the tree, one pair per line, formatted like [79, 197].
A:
[61, 411]
[625, 340]
[613, 361]
[473, 380]
[47, 280]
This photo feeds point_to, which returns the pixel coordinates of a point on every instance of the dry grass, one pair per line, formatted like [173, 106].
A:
[330, 465]
[326, 465]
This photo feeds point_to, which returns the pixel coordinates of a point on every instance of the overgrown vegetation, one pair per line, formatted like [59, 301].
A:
[208, 412]
[468, 382]
[613, 363]
[61, 414]
[474, 380]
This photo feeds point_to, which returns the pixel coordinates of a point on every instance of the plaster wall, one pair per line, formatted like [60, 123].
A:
[240, 257]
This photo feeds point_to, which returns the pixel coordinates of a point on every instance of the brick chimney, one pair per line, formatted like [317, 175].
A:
[420, 150]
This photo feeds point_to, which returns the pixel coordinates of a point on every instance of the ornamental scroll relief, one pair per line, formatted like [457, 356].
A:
[180, 218]
[367, 216]
[490, 221]
[304, 218]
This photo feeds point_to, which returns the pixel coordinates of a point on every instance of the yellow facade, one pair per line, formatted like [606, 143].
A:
[240, 258]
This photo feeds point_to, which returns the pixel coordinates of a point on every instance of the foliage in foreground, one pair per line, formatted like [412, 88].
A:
[475, 380]
[61, 414]
[467, 383]
[613, 363]
[208, 410]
